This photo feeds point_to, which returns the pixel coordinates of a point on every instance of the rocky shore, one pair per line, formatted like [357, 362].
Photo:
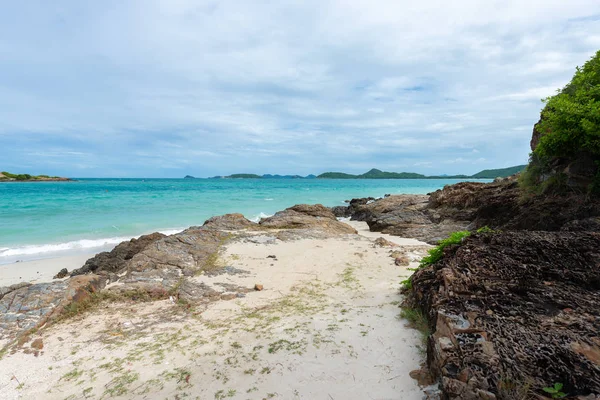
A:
[299, 305]
[510, 312]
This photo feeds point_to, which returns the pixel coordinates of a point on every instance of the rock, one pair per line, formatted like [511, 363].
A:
[381, 242]
[229, 222]
[316, 210]
[303, 216]
[402, 261]
[116, 259]
[258, 287]
[341, 211]
[31, 306]
[61, 274]
[510, 304]
[37, 344]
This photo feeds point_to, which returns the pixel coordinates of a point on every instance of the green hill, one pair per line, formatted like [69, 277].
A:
[336, 175]
[244, 176]
[378, 174]
[7, 176]
[499, 173]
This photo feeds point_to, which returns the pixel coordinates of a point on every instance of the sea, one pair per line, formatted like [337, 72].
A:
[53, 219]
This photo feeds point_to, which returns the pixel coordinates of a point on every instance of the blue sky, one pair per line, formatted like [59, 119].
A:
[174, 87]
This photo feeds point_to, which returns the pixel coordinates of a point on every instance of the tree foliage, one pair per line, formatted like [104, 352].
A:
[571, 119]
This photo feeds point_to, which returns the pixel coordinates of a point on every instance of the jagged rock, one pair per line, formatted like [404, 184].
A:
[61, 274]
[307, 217]
[116, 259]
[355, 211]
[258, 287]
[341, 211]
[229, 222]
[514, 306]
[31, 306]
[314, 210]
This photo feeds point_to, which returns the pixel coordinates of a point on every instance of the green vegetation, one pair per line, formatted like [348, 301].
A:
[7, 176]
[437, 252]
[569, 130]
[555, 391]
[499, 173]
[244, 176]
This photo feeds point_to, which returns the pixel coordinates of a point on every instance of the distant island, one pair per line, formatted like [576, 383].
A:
[255, 176]
[8, 177]
[378, 174]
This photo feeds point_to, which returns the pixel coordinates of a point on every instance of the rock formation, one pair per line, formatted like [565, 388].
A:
[514, 310]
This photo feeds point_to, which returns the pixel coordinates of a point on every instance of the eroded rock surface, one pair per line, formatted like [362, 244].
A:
[25, 306]
[514, 308]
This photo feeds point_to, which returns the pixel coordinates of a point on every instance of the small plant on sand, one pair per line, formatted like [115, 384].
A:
[417, 320]
[555, 391]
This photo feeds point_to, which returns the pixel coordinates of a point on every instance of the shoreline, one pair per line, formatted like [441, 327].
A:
[325, 325]
[44, 269]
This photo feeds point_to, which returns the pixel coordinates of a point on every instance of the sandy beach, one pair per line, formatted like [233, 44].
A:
[39, 270]
[325, 326]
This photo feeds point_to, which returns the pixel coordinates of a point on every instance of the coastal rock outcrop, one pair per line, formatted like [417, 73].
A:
[229, 222]
[513, 310]
[305, 216]
[115, 260]
[472, 205]
[25, 306]
[406, 216]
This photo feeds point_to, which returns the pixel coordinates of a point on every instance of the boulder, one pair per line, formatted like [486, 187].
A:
[116, 259]
[61, 274]
[229, 222]
[303, 216]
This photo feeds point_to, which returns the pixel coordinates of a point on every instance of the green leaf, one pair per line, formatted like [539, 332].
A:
[558, 386]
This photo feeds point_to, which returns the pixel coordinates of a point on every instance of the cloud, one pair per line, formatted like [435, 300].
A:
[167, 88]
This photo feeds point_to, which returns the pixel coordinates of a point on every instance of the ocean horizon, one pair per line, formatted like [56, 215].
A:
[54, 219]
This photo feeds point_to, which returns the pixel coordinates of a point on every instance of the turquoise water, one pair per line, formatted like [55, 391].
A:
[53, 218]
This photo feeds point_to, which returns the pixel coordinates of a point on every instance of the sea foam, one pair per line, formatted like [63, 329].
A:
[260, 216]
[23, 253]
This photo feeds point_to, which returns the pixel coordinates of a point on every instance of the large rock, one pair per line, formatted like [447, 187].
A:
[116, 259]
[229, 222]
[472, 205]
[520, 308]
[316, 217]
[25, 306]
[406, 216]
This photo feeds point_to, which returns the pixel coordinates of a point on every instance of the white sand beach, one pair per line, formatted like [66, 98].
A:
[325, 326]
[39, 270]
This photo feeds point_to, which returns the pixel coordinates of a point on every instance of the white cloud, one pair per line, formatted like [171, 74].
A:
[304, 86]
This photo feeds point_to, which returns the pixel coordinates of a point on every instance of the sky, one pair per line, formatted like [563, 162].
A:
[166, 88]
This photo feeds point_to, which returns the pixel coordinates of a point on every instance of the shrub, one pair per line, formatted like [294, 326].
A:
[569, 126]
[437, 252]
